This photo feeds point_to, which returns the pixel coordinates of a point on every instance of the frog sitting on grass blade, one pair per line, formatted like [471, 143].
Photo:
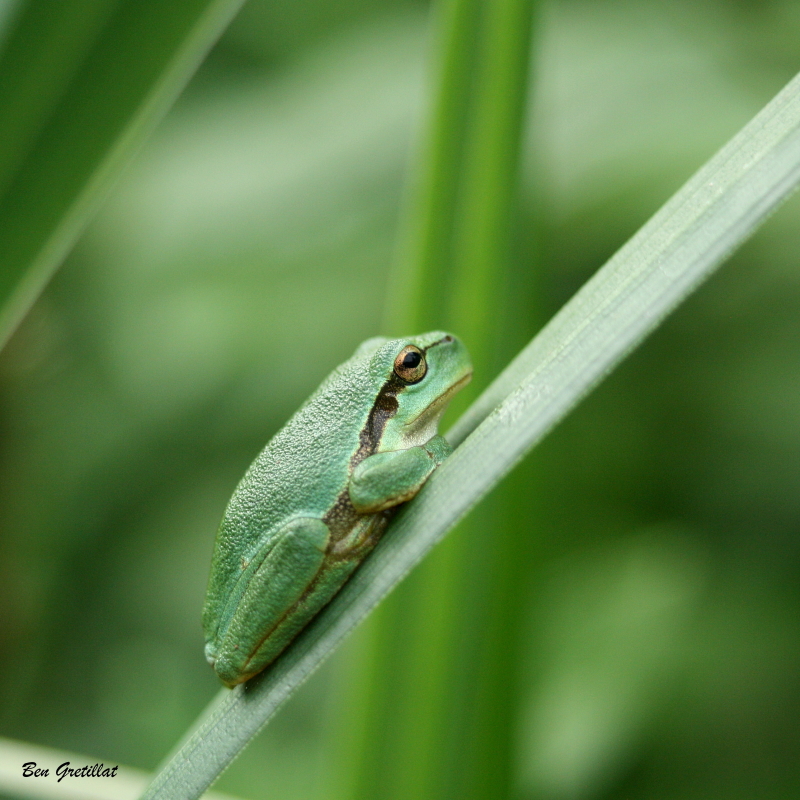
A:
[311, 506]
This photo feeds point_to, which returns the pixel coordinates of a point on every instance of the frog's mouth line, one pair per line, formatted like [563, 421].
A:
[440, 402]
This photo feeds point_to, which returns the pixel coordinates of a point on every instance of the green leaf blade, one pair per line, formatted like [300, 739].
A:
[82, 96]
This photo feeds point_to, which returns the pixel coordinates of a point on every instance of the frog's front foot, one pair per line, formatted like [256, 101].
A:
[388, 479]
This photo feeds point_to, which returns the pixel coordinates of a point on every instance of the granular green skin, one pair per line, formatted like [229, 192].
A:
[312, 505]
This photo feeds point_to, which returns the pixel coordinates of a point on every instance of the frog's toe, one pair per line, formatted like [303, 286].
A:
[230, 672]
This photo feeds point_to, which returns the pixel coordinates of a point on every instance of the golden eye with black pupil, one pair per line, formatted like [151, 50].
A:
[410, 364]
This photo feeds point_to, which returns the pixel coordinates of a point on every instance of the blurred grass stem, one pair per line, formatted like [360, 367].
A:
[421, 277]
[84, 83]
[425, 664]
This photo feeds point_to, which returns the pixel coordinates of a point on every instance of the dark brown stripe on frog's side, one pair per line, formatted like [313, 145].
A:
[384, 409]
[342, 516]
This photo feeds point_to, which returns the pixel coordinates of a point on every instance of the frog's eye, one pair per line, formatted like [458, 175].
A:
[410, 364]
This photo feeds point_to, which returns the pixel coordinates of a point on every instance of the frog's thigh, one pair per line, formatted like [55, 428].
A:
[272, 592]
[386, 479]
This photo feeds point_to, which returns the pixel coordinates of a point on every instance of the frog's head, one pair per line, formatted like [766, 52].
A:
[422, 374]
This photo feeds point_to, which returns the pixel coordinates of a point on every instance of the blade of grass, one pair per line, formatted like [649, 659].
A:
[422, 273]
[83, 83]
[375, 760]
[425, 646]
[680, 246]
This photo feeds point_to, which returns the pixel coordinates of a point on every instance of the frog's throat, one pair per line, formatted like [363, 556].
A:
[424, 426]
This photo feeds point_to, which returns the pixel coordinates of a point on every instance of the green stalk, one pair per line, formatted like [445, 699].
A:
[417, 289]
[422, 275]
[81, 86]
[426, 666]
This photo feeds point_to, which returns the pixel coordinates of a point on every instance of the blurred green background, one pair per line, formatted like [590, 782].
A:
[656, 641]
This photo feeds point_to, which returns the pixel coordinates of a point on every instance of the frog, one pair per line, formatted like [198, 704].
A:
[317, 499]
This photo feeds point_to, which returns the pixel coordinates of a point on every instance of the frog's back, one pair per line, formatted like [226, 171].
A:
[303, 469]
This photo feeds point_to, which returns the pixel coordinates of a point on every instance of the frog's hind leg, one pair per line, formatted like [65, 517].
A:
[278, 600]
[318, 593]
[322, 588]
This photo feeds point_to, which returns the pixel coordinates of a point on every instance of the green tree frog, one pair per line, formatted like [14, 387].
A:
[315, 501]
